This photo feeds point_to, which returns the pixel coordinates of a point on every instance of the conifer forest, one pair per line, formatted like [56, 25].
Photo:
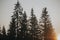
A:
[23, 28]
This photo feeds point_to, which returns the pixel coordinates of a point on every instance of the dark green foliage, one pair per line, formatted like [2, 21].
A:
[35, 31]
[24, 26]
[45, 22]
[11, 31]
[3, 33]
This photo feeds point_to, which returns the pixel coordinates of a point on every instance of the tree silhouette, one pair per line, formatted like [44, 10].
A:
[3, 33]
[15, 26]
[0, 34]
[35, 31]
[11, 31]
[19, 18]
[0, 30]
[24, 26]
[45, 23]
[21, 28]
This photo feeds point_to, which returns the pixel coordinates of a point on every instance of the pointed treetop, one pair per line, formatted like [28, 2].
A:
[45, 12]
[32, 11]
[18, 6]
[25, 14]
[17, 1]
[45, 8]
[3, 30]
[4, 27]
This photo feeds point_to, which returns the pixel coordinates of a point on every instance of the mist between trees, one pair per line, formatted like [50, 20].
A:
[21, 28]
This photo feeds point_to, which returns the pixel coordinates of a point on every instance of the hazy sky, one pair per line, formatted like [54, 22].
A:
[53, 8]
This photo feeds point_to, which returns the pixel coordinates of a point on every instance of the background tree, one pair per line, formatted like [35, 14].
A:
[0, 30]
[0, 34]
[3, 33]
[45, 23]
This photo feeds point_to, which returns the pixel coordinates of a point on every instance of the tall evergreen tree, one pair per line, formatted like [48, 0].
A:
[24, 26]
[18, 18]
[35, 32]
[45, 23]
[15, 24]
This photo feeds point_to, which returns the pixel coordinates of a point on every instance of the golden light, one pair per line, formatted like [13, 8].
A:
[58, 37]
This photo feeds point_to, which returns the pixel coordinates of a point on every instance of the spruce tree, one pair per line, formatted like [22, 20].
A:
[35, 31]
[46, 26]
[18, 18]
[15, 24]
[24, 26]
[3, 33]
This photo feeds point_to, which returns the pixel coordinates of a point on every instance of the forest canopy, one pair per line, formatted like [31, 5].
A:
[21, 28]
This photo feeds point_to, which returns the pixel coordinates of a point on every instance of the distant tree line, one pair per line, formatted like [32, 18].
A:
[21, 28]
